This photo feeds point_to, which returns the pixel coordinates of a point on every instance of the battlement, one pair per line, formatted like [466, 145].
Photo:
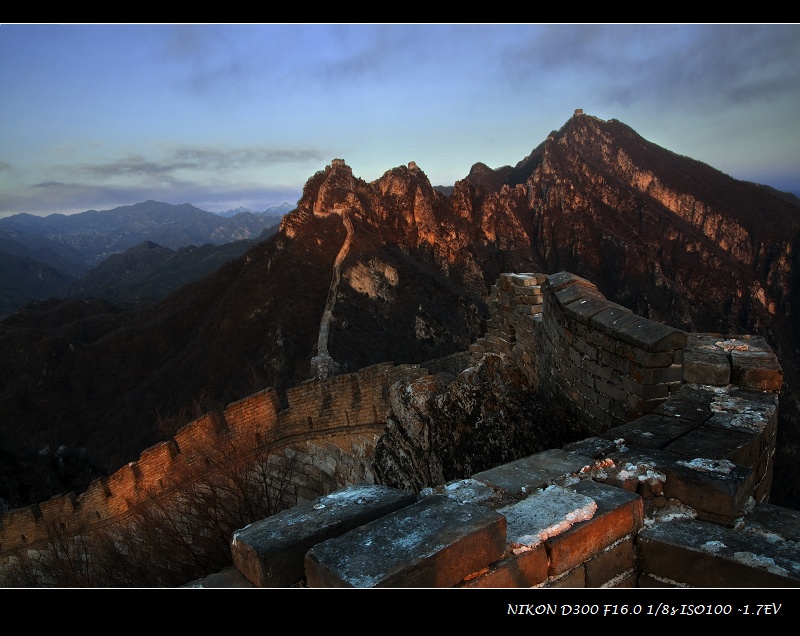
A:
[679, 425]
[352, 404]
[670, 491]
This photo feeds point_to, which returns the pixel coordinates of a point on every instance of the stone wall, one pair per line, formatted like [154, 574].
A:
[603, 362]
[669, 489]
[619, 373]
[329, 427]
[678, 424]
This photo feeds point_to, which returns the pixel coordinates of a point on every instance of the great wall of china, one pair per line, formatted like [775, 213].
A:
[670, 488]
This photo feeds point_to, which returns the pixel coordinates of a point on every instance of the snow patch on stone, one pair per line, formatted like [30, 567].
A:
[545, 514]
[718, 466]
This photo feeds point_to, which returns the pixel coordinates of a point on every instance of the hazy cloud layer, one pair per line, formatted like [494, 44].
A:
[191, 158]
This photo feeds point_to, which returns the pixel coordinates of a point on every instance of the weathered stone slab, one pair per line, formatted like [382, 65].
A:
[716, 442]
[529, 279]
[465, 491]
[525, 475]
[562, 279]
[616, 565]
[572, 293]
[716, 489]
[618, 516]
[270, 552]
[734, 399]
[513, 570]
[640, 332]
[756, 370]
[436, 542]
[704, 362]
[706, 555]
[583, 309]
[690, 401]
[592, 447]
[772, 522]
[651, 431]
[544, 514]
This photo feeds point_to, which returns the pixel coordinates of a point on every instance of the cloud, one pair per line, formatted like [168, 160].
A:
[199, 174]
[191, 159]
[675, 65]
[360, 53]
[222, 159]
[220, 61]
[132, 165]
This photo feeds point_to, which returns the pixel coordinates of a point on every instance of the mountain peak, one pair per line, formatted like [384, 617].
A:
[667, 237]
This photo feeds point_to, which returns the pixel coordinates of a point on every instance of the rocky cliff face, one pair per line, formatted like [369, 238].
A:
[671, 225]
[447, 426]
[671, 238]
[668, 237]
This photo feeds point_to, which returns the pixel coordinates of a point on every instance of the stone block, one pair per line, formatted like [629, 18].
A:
[756, 370]
[583, 308]
[716, 442]
[436, 542]
[562, 279]
[651, 431]
[651, 336]
[592, 447]
[618, 514]
[706, 364]
[647, 359]
[766, 520]
[271, 552]
[700, 554]
[527, 474]
[716, 489]
[617, 562]
[658, 375]
[527, 569]
[544, 514]
[573, 293]
[690, 402]
[575, 578]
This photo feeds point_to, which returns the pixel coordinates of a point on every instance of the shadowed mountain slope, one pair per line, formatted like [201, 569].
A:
[668, 237]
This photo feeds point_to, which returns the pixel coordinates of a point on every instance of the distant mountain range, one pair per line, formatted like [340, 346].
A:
[670, 238]
[44, 257]
[275, 211]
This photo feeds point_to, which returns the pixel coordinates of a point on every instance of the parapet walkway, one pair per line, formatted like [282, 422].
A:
[597, 513]
[673, 497]
[530, 523]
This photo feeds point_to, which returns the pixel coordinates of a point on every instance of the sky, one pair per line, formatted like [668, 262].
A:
[95, 116]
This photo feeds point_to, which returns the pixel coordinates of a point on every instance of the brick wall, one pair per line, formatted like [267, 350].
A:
[671, 418]
[345, 412]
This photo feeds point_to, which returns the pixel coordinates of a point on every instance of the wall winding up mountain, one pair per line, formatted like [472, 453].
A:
[668, 237]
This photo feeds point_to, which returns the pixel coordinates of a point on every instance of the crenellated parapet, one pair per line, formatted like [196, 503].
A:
[347, 405]
[604, 363]
[674, 421]
[672, 397]
[670, 488]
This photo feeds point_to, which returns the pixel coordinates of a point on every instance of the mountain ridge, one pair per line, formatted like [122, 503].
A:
[73, 245]
[661, 234]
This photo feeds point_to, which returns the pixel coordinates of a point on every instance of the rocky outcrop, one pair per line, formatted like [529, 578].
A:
[664, 236]
[443, 426]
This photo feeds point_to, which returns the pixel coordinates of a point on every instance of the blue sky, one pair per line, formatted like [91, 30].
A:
[228, 115]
